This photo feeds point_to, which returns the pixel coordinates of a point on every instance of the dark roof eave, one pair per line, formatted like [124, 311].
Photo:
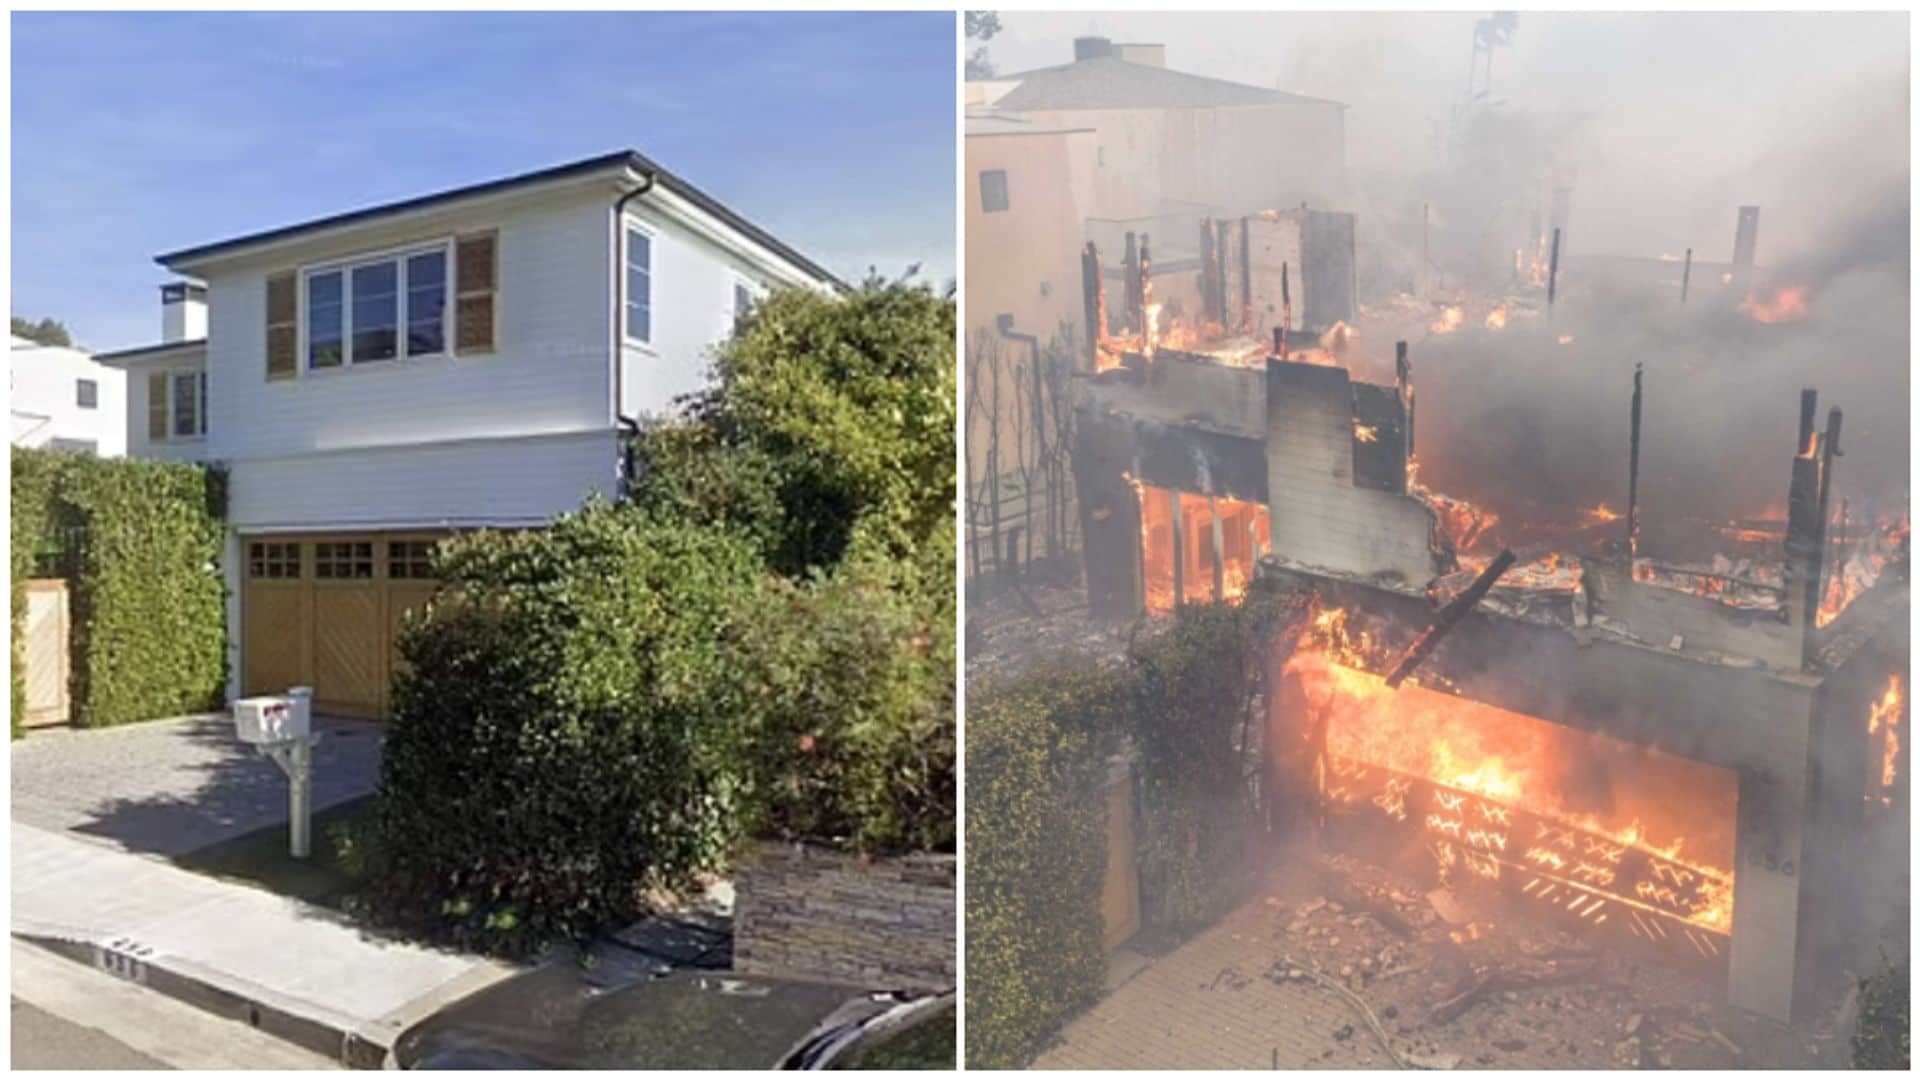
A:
[148, 350]
[632, 159]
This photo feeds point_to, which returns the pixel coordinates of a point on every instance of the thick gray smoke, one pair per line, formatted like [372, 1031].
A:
[1660, 127]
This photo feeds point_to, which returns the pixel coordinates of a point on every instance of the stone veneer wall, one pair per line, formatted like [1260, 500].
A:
[809, 912]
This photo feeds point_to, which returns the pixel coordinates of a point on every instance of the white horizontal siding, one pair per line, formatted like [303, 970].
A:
[514, 481]
[693, 280]
[44, 395]
[550, 373]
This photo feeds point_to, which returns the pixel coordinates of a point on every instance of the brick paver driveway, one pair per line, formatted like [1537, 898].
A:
[172, 786]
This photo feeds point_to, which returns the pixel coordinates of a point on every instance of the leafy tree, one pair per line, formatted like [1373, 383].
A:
[981, 26]
[45, 332]
[830, 426]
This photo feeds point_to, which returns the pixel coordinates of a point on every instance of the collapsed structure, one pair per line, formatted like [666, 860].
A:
[1679, 759]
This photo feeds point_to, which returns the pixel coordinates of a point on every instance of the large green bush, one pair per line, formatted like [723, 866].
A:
[566, 729]
[140, 543]
[1036, 855]
[853, 686]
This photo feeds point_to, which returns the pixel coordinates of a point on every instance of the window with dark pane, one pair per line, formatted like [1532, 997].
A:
[639, 286]
[376, 311]
[993, 191]
[326, 315]
[427, 303]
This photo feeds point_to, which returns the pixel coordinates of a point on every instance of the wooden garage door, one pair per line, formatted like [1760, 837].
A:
[325, 610]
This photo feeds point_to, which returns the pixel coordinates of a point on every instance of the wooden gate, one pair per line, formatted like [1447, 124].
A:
[48, 657]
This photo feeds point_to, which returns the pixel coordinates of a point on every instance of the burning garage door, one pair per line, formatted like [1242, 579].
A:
[1617, 842]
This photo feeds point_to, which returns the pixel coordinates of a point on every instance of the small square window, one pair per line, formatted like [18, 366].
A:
[410, 559]
[274, 561]
[343, 560]
[993, 191]
[89, 394]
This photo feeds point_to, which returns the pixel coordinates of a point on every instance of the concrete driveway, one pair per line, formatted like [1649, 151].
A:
[169, 787]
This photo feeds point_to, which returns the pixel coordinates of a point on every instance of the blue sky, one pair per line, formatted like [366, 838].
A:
[135, 134]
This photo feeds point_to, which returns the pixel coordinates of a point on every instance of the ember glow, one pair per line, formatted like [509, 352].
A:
[1859, 566]
[1785, 305]
[1365, 432]
[1178, 549]
[1883, 727]
[1497, 318]
[1451, 318]
[1640, 835]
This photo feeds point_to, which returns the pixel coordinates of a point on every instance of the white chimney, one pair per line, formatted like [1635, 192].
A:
[183, 312]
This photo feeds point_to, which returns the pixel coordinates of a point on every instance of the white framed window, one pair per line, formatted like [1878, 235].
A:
[376, 308]
[187, 404]
[638, 266]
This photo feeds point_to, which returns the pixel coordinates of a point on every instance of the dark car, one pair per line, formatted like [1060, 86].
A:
[617, 1008]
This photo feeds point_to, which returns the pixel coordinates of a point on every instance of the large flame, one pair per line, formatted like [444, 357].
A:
[1595, 800]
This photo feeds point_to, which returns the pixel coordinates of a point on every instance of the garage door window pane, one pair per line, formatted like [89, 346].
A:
[410, 559]
[274, 561]
[343, 560]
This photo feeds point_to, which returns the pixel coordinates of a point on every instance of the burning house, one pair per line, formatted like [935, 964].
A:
[1682, 760]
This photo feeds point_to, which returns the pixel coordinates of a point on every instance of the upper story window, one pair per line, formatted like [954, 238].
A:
[993, 191]
[176, 405]
[88, 393]
[639, 269]
[189, 404]
[377, 309]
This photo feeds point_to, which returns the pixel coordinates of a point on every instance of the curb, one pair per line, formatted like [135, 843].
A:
[353, 1043]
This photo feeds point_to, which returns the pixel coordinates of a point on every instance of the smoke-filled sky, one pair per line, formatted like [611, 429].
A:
[1661, 126]
[1678, 118]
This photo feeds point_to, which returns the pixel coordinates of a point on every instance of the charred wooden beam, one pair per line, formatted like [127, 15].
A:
[1093, 298]
[1286, 310]
[1210, 272]
[1449, 617]
[1553, 269]
[1403, 378]
[1219, 553]
[1829, 450]
[1633, 472]
[1132, 310]
[1179, 549]
[1686, 275]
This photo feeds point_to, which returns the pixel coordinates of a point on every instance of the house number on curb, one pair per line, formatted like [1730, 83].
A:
[124, 958]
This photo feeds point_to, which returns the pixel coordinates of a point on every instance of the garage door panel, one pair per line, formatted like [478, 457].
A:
[275, 619]
[348, 648]
[326, 610]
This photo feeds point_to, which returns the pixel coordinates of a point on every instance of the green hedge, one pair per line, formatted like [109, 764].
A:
[140, 543]
[565, 731]
[1189, 720]
[1036, 854]
[852, 689]
[1883, 1037]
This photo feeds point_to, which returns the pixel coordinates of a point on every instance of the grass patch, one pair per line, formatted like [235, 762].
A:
[328, 878]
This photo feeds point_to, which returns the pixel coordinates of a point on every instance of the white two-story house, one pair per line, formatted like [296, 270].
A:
[376, 380]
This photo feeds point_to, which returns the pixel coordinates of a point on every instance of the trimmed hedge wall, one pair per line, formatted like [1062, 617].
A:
[140, 543]
[1037, 753]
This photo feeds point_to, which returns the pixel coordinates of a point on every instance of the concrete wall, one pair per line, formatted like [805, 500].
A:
[809, 912]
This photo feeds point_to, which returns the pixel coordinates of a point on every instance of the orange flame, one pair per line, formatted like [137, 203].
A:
[1787, 305]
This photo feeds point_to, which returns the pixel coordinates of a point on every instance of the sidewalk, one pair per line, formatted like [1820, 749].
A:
[288, 968]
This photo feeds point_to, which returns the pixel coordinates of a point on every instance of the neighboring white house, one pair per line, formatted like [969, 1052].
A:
[375, 380]
[62, 399]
